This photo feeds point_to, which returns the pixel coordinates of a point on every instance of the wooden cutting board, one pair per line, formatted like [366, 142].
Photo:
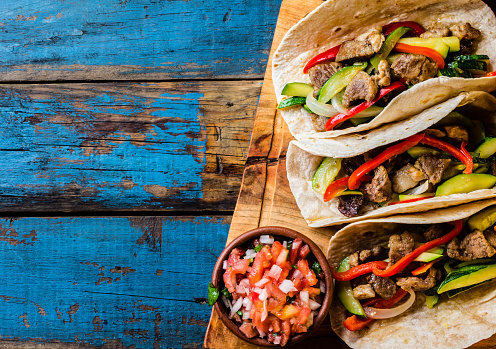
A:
[265, 197]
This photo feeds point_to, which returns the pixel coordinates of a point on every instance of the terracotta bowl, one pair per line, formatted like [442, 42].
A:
[280, 232]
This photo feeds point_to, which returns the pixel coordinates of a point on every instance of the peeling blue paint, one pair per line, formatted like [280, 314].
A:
[69, 256]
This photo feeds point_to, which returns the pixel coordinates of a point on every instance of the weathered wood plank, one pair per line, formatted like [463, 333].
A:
[124, 146]
[124, 40]
[128, 280]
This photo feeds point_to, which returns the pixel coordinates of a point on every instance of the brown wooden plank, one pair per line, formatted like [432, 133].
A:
[124, 146]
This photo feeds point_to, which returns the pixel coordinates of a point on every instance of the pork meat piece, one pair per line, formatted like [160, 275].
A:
[418, 284]
[435, 33]
[414, 68]
[473, 246]
[433, 167]
[320, 73]
[380, 189]
[351, 164]
[383, 286]
[456, 132]
[435, 231]
[465, 31]
[362, 48]
[383, 76]
[349, 205]
[361, 87]
[400, 246]
[376, 253]
[363, 292]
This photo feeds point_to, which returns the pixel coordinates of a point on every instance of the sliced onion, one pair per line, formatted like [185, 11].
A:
[275, 272]
[373, 110]
[236, 306]
[224, 265]
[287, 286]
[261, 283]
[337, 102]
[320, 108]
[249, 254]
[266, 239]
[375, 313]
[420, 189]
[298, 275]
[304, 296]
[322, 287]
[313, 304]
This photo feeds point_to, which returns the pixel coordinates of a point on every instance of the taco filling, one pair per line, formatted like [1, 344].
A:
[454, 156]
[352, 83]
[439, 260]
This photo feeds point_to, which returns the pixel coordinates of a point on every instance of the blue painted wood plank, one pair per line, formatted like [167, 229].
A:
[128, 146]
[115, 39]
[139, 280]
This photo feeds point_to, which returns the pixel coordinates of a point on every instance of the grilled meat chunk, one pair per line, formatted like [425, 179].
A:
[414, 68]
[435, 231]
[363, 292]
[406, 177]
[435, 33]
[351, 164]
[474, 245]
[319, 122]
[383, 76]
[349, 205]
[433, 167]
[383, 286]
[380, 189]
[400, 246]
[434, 132]
[456, 132]
[363, 47]
[418, 284]
[361, 87]
[353, 260]
[465, 31]
[378, 252]
[320, 73]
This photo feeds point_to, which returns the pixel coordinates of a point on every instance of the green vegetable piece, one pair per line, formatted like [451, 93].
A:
[473, 65]
[449, 72]
[388, 45]
[316, 268]
[470, 57]
[239, 312]
[226, 293]
[452, 293]
[467, 276]
[350, 192]
[486, 149]
[448, 266]
[213, 294]
[307, 109]
[291, 102]
[455, 118]
[431, 301]
[416, 152]
[466, 183]
[474, 262]
[404, 197]
[325, 174]
[338, 81]
[452, 42]
[483, 219]
[427, 257]
[258, 248]
[345, 292]
[298, 89]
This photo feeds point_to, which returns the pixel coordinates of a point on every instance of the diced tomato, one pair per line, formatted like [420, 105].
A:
[241, 267]
[355, 323]
[282, 258]
[286, 332]
[277, 298]
[235, 256]
[276, 249]
[298, 328]
[286, 268]
[295, 248]
[275, 323]
[298, 284]
[264, 326]
[248, 330]
[262, 261]
[312, 291]
[288, 312]
[303, 316]
[230, 279]
[307, 272]
[304, 251]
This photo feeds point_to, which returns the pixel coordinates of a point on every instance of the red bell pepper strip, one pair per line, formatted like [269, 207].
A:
[417, 29]
[355, 323]
[410, 200]
[491, 73]
[339, 118]
[357, 271]
[406, 260]
[353, 182]
[461, 155]
[425, 51]
[423, 268]
[470, 161]
[328, 55]
[335, 188]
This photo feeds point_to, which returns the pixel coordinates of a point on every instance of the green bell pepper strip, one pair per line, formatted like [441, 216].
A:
[387, 45]
[338, 81]
[345, 292]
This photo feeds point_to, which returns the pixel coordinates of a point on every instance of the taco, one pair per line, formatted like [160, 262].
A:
[353, 66]
[442, 157]
[415, 280]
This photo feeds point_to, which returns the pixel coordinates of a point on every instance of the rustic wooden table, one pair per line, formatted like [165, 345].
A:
[124, 133]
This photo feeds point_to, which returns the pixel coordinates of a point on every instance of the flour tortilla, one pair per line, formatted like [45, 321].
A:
[457, 322]
[336, 21]
[301, 164]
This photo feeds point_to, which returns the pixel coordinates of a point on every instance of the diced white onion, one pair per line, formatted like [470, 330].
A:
[246, 315]
[420, 189]
[263, 296]
[242, 290]
[258, 290]
[298, 274]
[266, 239]
[285, 244]
[304, 296]
[373, 110]
[337, 102]
[375, 313]
[277, 340]
[261, 282]
[275, 272]
[236, 306]
[265, 313]
[261, 333]
[287, 286]
[249, 254]
[313, 304]
[320, 108]
[322, 287]
[224, 265]
[248, 304]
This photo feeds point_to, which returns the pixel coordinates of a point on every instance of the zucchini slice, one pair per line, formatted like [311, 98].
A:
[486, 149]
[291, 102]
[325, 174]
[345, 292]
[483, 219]
[467, 276]
[298, 89]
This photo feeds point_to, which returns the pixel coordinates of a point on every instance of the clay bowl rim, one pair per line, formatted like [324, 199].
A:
[281, 232]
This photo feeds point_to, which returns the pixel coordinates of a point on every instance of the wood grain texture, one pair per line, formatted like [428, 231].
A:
[129, 40]
[125, 281]
[126, 146]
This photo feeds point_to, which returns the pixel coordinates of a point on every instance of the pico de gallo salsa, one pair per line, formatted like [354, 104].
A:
[273, 289]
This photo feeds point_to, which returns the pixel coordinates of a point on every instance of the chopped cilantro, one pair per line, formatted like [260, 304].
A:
[258, 248]
[213, 294]
[239, 312]
[316, 268]
[294, 266]
[226, 293]
[289, 245]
